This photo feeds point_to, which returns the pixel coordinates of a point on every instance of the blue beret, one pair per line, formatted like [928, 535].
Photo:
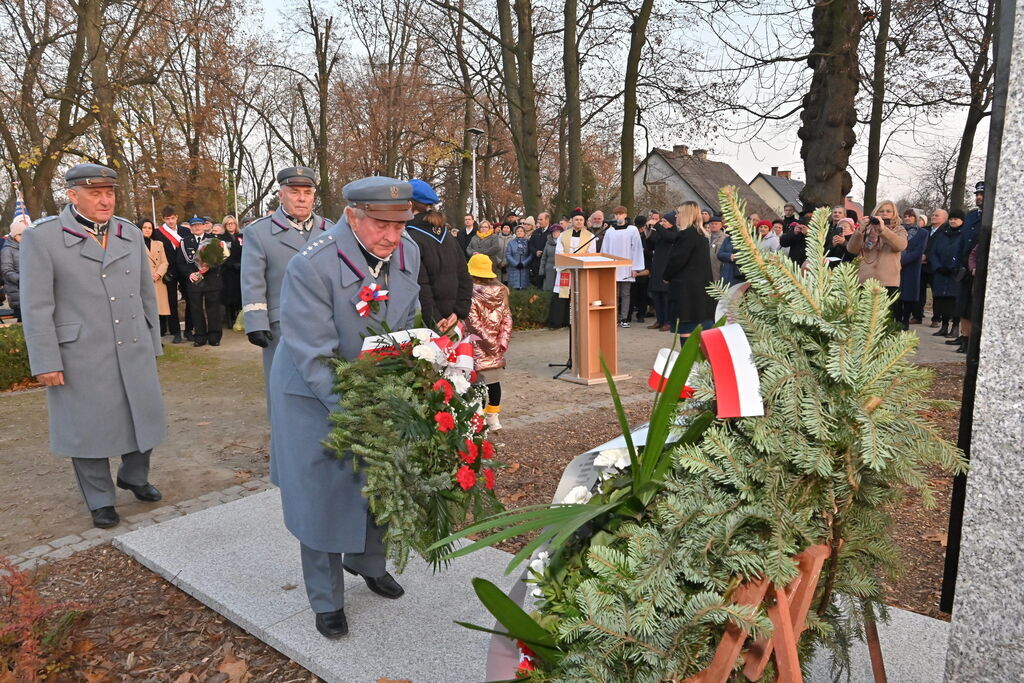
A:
[90, 175]
[423, 193]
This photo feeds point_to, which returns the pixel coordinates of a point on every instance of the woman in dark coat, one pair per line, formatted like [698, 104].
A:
[661, 241]
[688, 273]
[518, 257]
[232, 271]
[945, 258]
[446, 289]
[910, 266]
[547, 258]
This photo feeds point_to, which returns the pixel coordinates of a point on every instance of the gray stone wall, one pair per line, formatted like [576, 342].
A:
[988, 614]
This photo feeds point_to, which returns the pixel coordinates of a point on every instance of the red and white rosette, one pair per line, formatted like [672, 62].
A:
[737, 385]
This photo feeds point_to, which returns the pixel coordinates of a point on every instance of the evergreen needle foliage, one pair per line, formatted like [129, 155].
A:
[647, 599]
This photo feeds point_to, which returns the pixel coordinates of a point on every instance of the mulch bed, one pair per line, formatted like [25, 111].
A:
[139, 627]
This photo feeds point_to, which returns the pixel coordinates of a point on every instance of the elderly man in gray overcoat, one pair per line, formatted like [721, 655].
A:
[270, 243]
[92, 327]
[321, 495]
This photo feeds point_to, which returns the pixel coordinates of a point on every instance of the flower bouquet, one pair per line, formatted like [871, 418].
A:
[412, 419]
[636, 577]
[211, 253]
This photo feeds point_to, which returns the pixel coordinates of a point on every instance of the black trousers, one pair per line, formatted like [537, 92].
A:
[918, 311]
[171, 324]
[206, 313]
[638, 298]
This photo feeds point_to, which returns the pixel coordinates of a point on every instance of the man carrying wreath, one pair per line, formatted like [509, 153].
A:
[346, 284]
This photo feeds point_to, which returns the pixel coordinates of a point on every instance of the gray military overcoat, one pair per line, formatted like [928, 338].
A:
[270, 243]
[92, 313]
[321, 495]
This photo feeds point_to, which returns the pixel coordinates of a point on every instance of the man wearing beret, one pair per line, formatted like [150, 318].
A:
[321, 495]
[92, 327]
[270, 243]
[446, 288]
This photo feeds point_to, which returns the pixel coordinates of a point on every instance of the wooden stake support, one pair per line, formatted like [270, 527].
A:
[787, 609]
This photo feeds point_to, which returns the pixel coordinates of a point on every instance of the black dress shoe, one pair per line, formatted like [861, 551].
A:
[216, 343]
[105, 517]
[332, 624]
[146, 492]
[384, 586]
[198, 343]
[955, 342]
[177, 339]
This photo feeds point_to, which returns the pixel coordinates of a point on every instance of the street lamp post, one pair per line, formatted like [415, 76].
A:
[234, 191]
[152, 200]
[476, 133]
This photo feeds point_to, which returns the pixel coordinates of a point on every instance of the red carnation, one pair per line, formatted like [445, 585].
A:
[489, 478]
[525, 649]
[470, 453]
[477, 423]
[488, 448]
[445, 386]
[366, 294]
[524, 669]
[466, 477]
[445, 421]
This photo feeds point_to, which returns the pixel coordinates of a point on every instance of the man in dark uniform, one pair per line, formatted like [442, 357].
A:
[446, 288]
[92, 329]
[203, 286]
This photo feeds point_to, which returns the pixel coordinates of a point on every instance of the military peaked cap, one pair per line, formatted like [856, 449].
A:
[979, 188]
[90, 175]
[296, 175]
[386, 199]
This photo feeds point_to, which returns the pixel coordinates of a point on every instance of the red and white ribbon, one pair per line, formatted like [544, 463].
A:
[663, 365]
[737, 385]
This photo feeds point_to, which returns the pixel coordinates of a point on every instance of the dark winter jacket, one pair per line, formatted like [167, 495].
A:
[661, 241]
[445, 284]
[797, 243]
[688, 272]
[730, 270]
[946, 258]
[547, 263]
[910, 264]
[518, 257]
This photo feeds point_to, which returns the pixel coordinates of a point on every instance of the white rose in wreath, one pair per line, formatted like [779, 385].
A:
[613, 457]
[579, 495]
[427, 352]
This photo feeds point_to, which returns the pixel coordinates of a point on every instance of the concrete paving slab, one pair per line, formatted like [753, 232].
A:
[239, 559]
[913, 648]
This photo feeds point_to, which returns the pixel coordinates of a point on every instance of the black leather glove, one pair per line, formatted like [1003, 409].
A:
[944, 271]
[260, 338]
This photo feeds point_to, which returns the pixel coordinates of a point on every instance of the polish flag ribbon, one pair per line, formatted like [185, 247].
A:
[737, 385]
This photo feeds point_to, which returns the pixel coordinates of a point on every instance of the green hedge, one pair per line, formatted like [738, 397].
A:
[529, 308]
[13, 357]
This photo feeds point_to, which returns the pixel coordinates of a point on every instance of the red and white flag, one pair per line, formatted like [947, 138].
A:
[737, 385]
[663, 365]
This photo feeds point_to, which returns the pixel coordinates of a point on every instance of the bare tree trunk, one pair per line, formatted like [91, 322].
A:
[981, 97]
[574, 123]
[828, 117]
[104, 100]
[638, 34]
[877, 102]
[520, 90]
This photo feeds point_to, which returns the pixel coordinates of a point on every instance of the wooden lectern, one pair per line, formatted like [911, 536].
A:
[594, 328]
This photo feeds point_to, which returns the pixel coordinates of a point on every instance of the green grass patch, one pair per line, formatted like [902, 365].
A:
[14, 367]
